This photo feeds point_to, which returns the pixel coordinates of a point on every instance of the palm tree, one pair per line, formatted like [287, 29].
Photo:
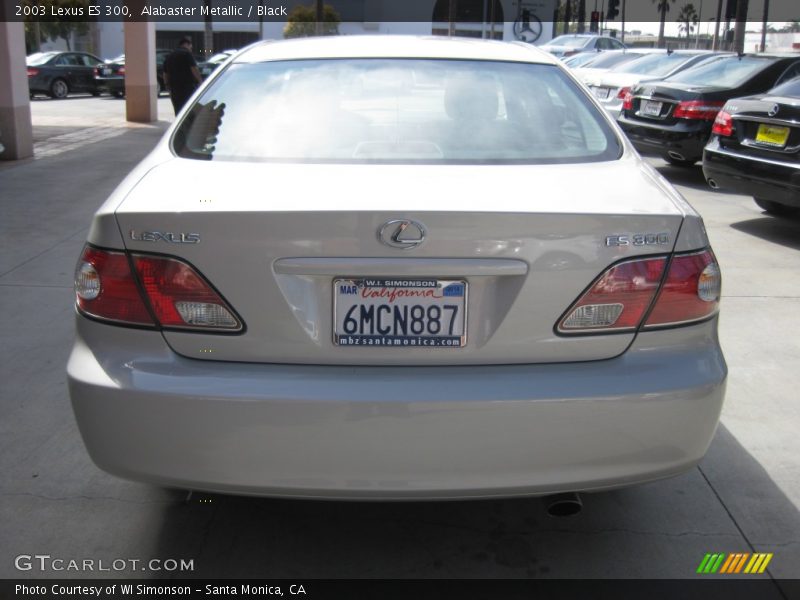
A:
[687, 18]
[663, 8]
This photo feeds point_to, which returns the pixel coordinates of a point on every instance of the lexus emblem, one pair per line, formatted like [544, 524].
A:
[402, 233]
[774, 110]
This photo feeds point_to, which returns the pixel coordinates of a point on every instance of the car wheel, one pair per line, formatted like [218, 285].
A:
[118, 94]
[775, 208]
[679, 162]
[59, 89]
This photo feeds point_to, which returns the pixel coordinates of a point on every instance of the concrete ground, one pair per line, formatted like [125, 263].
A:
[53, 500]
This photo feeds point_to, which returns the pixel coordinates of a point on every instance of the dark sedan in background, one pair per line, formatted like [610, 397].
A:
[755, 148]
[58, 74]
[110, 76]
[673, 117]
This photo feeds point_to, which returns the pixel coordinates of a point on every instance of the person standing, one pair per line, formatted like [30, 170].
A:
[181, 75]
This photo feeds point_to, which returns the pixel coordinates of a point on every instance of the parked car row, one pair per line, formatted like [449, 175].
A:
[739, 114]
[58, 74]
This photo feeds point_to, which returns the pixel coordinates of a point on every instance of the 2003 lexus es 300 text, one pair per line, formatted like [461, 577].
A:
[390, 267]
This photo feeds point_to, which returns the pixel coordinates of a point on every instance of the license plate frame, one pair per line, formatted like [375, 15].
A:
[353, 297]
[651, 108]
[774, 136]
[601, 93]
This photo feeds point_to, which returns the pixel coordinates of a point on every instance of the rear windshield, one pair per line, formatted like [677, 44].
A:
[395, 110]
[606, 60]
[39, 58]
[790, 88]
[654, 64]
[571, 41]
[730, 71]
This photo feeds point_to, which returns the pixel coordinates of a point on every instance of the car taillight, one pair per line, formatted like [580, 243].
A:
[723, 124]
[623, 93]
[95, 72]
[627, 100]
[697, 110]
[690, 293]
[106, 289]
[621, 297]
[165, 292]
[180, 296]
[121, 71]
[32, 72]
[618, 300]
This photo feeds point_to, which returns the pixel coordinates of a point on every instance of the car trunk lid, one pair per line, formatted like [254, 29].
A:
[527, 241]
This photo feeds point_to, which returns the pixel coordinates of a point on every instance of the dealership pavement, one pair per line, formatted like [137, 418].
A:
[744, 496]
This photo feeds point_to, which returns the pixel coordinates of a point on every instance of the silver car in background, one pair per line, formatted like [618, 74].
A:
[611, 87]
[391, 267]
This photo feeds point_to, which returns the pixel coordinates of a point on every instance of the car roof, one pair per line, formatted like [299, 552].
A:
[393, 46]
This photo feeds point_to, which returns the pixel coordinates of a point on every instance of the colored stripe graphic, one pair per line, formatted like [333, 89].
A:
[723, 563]
[725, 567]
[703, 563]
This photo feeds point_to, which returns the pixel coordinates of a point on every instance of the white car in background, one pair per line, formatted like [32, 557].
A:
[612, 60]
[392, 267]
[610, 87]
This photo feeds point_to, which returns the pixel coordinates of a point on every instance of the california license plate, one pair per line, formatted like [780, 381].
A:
[772, 135]
[651, 109]
[400, 312]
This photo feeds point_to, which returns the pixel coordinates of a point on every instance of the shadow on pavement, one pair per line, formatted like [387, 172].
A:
[659, 530]
[780, 230]
[688, 176]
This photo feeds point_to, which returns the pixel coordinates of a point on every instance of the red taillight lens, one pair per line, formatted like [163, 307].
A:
[32, 72]
[105, 288]
[178, 295]
[181, 297]
[622, 94]
[723, 124]
[95, 72]
[697, 110]
[618, 300]
[121, 71]
[691, 291]
[627, 100]
[623, 295]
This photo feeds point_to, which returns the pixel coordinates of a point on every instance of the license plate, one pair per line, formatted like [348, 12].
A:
[106, 71]
[772, 135]
[651, 109]
[601, 93]
[400, 312]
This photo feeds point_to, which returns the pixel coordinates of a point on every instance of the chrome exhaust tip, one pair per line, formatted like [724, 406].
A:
[712, 184]
[567, 504]
[676, 155]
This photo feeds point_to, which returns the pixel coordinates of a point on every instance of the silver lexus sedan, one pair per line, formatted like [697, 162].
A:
[394, 268]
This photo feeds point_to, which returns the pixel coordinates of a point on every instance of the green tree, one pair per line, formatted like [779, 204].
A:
[663, 8]
[301, 21]
[62, 28]
[687, 17]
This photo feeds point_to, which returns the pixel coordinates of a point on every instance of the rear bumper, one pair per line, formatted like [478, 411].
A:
[770, 180]
[110, 84]
[687, 139]
[148, 414]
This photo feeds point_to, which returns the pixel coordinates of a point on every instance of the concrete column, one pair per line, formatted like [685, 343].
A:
[141, 85]
[16, 131]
